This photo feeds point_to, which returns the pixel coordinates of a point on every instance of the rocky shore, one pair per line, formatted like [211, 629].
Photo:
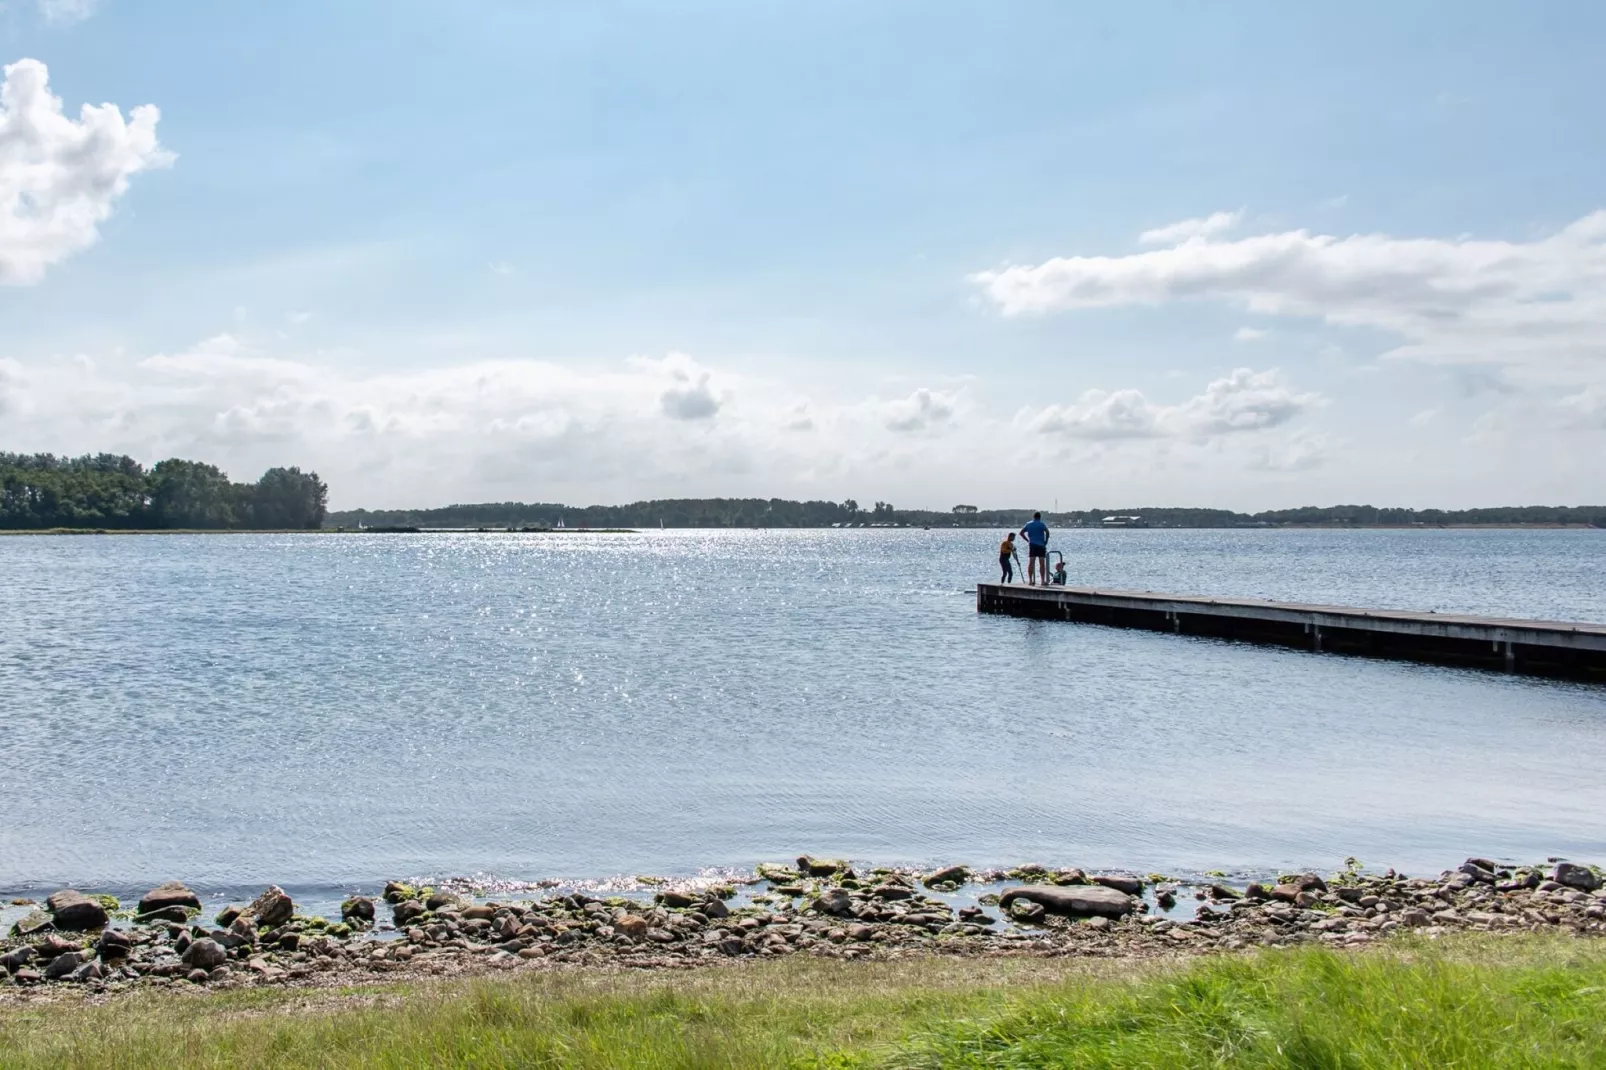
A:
[819, 907]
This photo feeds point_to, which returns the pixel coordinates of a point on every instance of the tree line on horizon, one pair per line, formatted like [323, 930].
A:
[781, 513]
[105, 490]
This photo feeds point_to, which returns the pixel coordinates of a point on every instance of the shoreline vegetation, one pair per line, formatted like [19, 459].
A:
[43, 492]
[103, 493]
[830, 966]
[1465, 1001]
[780, 513]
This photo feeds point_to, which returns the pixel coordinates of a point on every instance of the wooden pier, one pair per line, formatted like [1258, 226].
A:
[1535, 647]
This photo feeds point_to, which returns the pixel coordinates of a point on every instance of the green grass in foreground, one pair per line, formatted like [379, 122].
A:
[1467, 1003]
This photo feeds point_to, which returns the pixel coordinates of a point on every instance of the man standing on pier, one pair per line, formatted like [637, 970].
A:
[1036, 533]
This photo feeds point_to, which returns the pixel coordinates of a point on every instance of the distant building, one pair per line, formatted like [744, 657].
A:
[1124, 522]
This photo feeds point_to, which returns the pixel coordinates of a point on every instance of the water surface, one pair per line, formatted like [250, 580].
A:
[329, 710]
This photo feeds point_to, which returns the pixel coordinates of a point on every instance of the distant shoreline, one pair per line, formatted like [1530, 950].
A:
[407, 530]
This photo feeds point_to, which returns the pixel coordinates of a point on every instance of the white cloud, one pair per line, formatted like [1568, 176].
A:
[1299, 452]
[10, 385]
[60, 178]
[66, 11]
[689, 396]
[1249, 334]
[1214, 223]
[923, 410]
[1243, 401]
[1537, 306]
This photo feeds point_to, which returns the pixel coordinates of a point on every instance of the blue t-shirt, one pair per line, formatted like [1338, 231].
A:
[1036, 532]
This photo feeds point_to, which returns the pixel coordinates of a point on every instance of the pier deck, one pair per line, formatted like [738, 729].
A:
[1535, 647]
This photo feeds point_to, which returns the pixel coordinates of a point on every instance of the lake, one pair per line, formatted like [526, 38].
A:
[327, 711]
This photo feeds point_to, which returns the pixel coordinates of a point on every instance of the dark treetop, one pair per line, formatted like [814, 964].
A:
[107, 491]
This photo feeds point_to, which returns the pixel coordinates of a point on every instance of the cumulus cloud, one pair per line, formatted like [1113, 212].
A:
[689, 397]
[1537, 306]
[922, 410]
[1243, 401]
[60, 178]
[1214, 223]
[66, 11]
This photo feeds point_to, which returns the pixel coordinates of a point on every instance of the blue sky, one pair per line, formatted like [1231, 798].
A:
[885, 251]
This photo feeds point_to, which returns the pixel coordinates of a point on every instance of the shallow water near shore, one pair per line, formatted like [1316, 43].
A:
[327, 711]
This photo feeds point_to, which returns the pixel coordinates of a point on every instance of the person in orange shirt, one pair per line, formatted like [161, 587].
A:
[1006, 559]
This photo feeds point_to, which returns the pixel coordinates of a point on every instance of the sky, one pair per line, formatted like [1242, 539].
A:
[1040, 254]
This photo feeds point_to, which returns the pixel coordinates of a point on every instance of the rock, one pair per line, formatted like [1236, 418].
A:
[404, 912]
[1221, 891]
[205, 954]
[1077, 901]
[227, 915]
[1476, 872]
[84, 974]
[1286, 892]
[632, 925]
[776, 873]
[823, 867]
[197, 976]
[36, 921]
[1165, 900]
[1258, 892]
[1574, 876]
[114, 944]
[163, 915]
[1126, 885]
[714, 907]
[54, 944]
[273, 907]
[440, 901]
[861, 932]
[479, 912]
[243, 929]
[64, 964]
[946, 875]
[1026, 910]
[1098, 924]
[397, 892]
[834, 901]
[29, 977]
[359, 908]
[17, 958]
[1302, 882]
[73, 911]
[893, 891]
[1070, 876]
[171, 894]
[675, 900]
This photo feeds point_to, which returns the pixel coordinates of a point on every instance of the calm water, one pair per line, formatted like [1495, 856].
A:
[332, 710]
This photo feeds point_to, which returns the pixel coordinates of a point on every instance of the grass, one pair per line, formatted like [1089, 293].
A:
[1507, 1002]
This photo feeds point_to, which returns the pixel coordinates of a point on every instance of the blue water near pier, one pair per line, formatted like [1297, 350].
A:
[326, 711]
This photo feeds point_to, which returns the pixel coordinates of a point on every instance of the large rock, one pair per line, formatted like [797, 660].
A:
[358, 909]
[273, 907]
[205, 954]
[405, 911]
[1128, 885]
[1573, 876]
[36, 921]
[171, 894]
[1076, 901]
[947, 875]
[75, 911]
[62, 965]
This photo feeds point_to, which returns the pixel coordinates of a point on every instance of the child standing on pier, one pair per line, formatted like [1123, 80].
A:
[1006, 558]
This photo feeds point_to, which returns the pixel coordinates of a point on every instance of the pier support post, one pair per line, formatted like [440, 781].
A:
[1510, 657]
